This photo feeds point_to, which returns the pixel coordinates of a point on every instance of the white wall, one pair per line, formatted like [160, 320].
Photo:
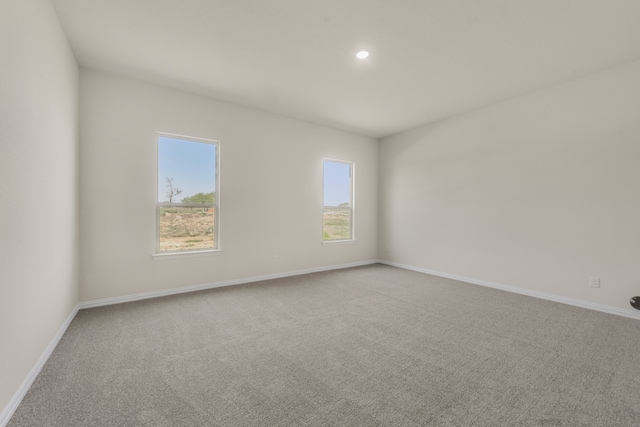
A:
[270, 195]
[38, 186]
[538, 192]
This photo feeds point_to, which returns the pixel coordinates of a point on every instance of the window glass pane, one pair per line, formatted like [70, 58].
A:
[338, 201]
[337, 183]
[187, 175]
[186, 171]
[186, 228]
[336, 224]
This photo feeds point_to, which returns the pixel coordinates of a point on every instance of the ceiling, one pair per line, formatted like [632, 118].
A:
[429, 59]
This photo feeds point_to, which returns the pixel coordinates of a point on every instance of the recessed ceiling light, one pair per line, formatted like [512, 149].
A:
[362, 54]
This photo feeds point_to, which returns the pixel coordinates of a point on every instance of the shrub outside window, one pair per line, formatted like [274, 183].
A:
[187, 208]
[338, 179]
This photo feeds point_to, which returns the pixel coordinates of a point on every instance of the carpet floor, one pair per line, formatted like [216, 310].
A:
[365, 346]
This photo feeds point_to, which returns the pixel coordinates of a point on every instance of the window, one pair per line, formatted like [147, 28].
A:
[187, 204]
[337, 222]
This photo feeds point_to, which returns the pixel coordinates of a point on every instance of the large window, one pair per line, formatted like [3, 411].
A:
[337, 221]
[187, 204]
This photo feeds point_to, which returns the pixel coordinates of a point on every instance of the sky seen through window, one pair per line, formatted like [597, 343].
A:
[191, 164]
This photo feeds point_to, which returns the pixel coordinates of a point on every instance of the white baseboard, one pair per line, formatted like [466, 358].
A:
[8, 411]
[13, 404]
[551, 297]
[174, 291]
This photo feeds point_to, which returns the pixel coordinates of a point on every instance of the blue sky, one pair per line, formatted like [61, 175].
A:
[191, 165]
[337, 183]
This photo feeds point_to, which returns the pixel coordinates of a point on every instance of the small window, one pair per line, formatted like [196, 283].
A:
[337, 221]
[187, 208]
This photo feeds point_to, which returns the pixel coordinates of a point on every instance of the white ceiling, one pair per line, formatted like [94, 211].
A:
[429, 58]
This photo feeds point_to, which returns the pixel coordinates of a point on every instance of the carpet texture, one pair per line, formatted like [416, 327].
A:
[366, 346]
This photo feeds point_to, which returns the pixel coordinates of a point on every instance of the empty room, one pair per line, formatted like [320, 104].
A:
[319, 213]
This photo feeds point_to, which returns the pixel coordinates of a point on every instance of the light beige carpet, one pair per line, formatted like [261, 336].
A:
[366, 346]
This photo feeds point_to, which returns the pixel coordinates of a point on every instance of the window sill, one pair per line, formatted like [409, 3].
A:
[335, 242]
[177, 255]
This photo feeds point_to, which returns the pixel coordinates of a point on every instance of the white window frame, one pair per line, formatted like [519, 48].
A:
[351, 208]
[216, 216]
